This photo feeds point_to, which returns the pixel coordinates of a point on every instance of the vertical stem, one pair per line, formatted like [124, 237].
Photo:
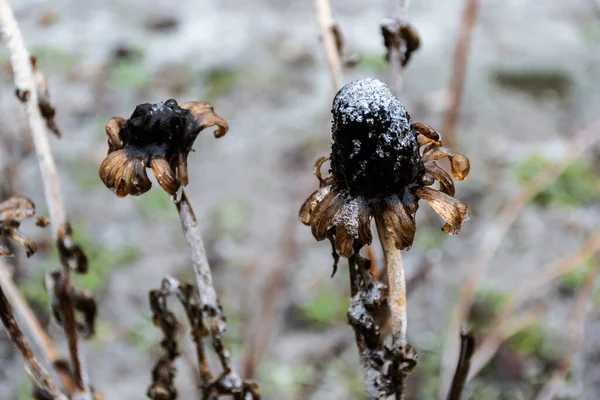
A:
[459, 71]
[396, 283]
[326, 25]
[211, 309]
[40, 375]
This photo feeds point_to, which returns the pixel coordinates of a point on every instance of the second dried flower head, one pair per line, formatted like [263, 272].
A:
[157, 136]
[381, 164]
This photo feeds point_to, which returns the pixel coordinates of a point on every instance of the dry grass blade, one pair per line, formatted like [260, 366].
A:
[493, 236]
[40, 376]
[467, 348]
[575, 327]
[459, 72]
[327, 29]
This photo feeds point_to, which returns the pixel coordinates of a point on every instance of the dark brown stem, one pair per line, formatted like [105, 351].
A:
[467, 348]
[459, 72]
[39, 374]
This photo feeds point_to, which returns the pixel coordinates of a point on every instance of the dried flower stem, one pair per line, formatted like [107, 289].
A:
[211, 309]
[493, 237]
[34, 331]
[459, 71]
[39, 374]
[489, 345]
[576, 327]
[326, 27]
[467, 348]
[396, 284]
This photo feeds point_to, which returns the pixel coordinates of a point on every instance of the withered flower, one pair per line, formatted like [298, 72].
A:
[157, 136]
[381, 164]
[12, 212]
[401, 39]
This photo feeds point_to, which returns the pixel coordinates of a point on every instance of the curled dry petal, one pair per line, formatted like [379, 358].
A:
[308, 207]
[139, 183]
[322, 217]
[165, 175]
[364, 226]
[446, 184]
[344, 241]
[16, 208]
[111, 168]
[113, 127]
[453, 211]
[182, 171]
[425, 134]
[460, 166]
[317, 170]
[205, 116]
[399, 223]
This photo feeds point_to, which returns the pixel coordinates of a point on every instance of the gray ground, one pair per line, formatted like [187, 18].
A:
[532, 82]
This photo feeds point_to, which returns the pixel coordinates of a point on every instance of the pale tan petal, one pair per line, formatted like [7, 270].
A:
[453, 211]
[307, 207]
[322, 217]
[460, 166]
[425, 134]
[165, 175]
[113, 127]
[112, 167]
[446, 184]
[205, 116]
[437, 154]
[399, 223]
[344, 241]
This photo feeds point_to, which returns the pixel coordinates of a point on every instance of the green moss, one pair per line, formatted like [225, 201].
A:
[219, 82]
[24, 389]
[373, 62]
[53, 59]
[230, 218]
[130, 73]
[577, 186]
[327, 308]
[532, 341]
[536, 83]
[574, 280]
[155, 204]
[102, 261]
[429, 237]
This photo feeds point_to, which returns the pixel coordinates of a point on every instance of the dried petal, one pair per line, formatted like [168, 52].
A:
[164, 175]
[30, 246]
[317, 170]
[344, 241]
[5, 252]
[446, 184]
[139, 182]
[125, 179]
[425, 133]
[460, 166]
[111, 169]
[182, 171]
[437, 154]
[308, 206]
[205, 116]
[399, 223]
[364, 225]
[323, 215]
[85, 304]
[453, 211]
[113, 127]
[16, 208]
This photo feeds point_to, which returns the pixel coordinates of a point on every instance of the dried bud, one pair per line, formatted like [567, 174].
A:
[158, 136]
[381, 165]
[12, 212]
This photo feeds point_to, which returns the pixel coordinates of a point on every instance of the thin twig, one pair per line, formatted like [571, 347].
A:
[459, 72]
[34, 330]
[39, 374]
[467, 347]
[211, 309]
[493, 236]
[327, 33]
[576, 327]
[490, 344]
[396, 284]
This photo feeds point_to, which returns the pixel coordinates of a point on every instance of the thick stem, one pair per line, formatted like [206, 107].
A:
[209, 302]
[326, 27]
[396, 284]
[38, 373]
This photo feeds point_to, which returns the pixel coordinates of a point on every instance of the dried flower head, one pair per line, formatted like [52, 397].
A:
[12, 212]
[399, 39]
[380, 164]
[157, 136]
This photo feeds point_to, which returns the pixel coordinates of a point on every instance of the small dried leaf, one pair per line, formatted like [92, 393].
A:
[453, 211]
[70, 253]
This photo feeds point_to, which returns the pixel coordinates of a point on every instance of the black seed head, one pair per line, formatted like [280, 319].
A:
[156, 124]
[374, 151]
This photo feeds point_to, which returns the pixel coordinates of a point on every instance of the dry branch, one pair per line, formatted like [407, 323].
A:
[327, 28]
[467, 347]
[493, 236]
[459, 72]
[40, 376]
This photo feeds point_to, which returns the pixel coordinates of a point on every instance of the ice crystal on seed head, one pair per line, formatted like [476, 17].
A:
[374, 150]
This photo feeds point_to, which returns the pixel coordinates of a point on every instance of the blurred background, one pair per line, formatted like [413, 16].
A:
[532, 85]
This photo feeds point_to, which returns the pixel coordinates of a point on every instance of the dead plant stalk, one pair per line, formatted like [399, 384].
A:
[326, 27]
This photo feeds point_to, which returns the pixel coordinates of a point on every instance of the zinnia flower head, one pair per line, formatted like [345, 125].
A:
[381, 164]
